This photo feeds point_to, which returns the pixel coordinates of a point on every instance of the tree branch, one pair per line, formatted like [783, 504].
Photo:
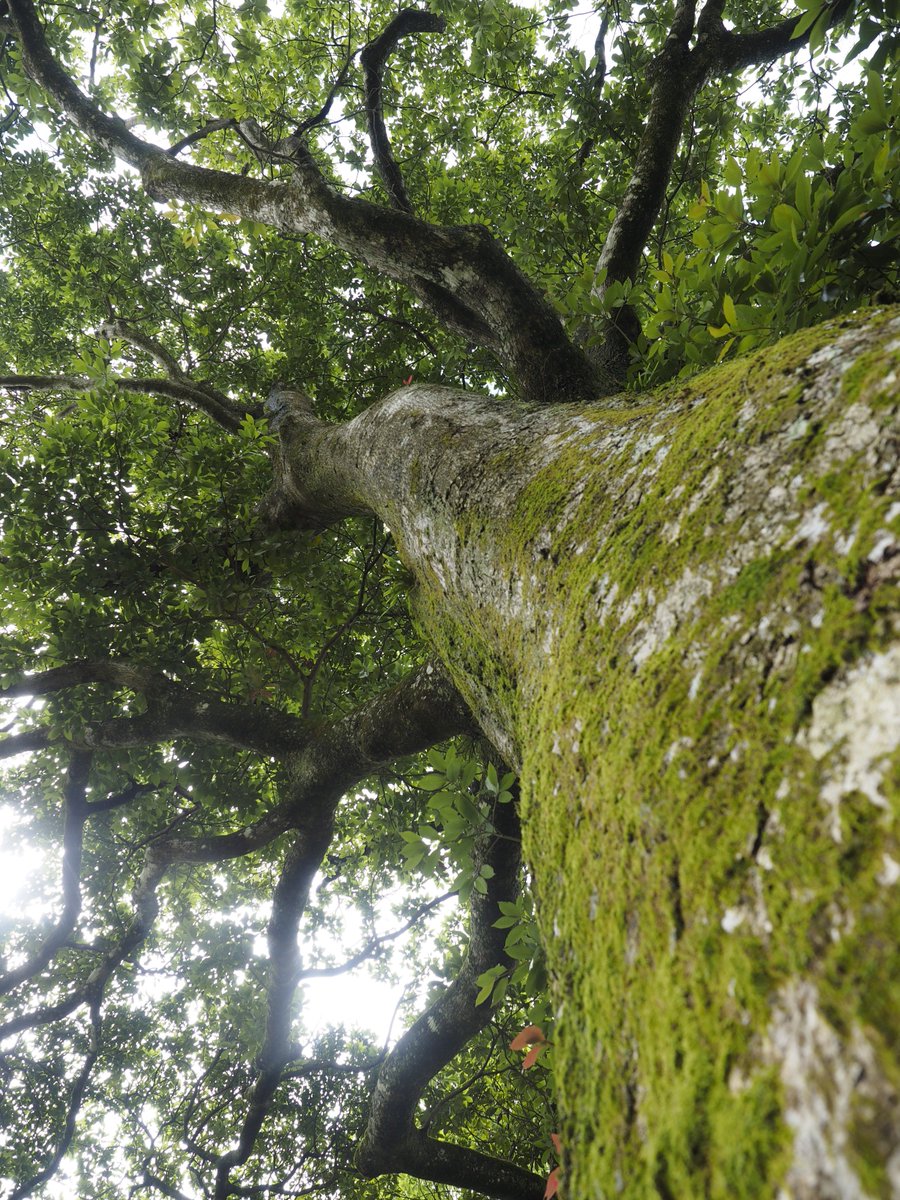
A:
[223, 411]
[374, 943]
[117, 328]
[288, 905]
[174, 710]
[76, 814]
[112, 133]
[146, 909]
[729, 51]
[373, 58]
[676, 81]
[678, 72]
[682, 27]
[313, 801]
[461, 273]
[153, 1181]
[329, 643]
[319, 117]
[198, 135]
[126, 796]
[74, 1107]
[392, 1140]
[22, 743]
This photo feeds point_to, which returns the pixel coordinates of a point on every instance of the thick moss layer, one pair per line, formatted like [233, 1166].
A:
[717, 867]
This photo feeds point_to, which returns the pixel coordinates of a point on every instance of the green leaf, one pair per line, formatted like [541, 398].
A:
[869, 123]
[431, 782]
[732, 173]
[811, 13]
[848, 217]
[819, 31]
[784, 216]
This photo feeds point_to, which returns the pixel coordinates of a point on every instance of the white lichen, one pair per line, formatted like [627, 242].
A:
[828, 1082]
[732, 919]
[667, 613]
[855, 726]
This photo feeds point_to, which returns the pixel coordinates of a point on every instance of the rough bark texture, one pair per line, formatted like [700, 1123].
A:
[674, 616]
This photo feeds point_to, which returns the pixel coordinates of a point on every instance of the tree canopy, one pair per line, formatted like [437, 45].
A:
[226, 735]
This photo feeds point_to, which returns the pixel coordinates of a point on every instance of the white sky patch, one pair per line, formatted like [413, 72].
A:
[18, 864]
[354, 1000]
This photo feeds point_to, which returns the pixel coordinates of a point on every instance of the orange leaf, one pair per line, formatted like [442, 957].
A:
[529, 1035]
[552, 1184]
[533, 1055]
[557, 1144]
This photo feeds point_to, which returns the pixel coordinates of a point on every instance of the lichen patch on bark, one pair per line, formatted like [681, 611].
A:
[830, 1083]
[856, 721]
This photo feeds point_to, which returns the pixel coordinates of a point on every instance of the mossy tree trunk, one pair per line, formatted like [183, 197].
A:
[673, 615]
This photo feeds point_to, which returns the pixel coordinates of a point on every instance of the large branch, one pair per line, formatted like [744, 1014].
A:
[676, 77]
[461, 273]
[393, 1142]
[223, 411]
[24, 743]
[422, 709]
[112, 133]
[678, 72]
[373, 58]
[174, 710]
[732, 51]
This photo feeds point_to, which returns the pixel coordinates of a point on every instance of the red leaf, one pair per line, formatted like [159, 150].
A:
[552, 1184]
[533, 1055]
[557, 1144]
[407, 380]
[529, 1035]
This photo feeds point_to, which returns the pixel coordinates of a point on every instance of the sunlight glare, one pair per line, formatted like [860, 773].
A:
[18, 865]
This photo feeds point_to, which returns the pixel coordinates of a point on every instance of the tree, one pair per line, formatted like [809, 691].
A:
[233, 625]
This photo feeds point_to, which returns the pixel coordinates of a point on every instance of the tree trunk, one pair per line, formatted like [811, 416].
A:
[672, 614]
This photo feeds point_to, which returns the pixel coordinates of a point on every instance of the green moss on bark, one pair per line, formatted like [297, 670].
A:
[692, 578]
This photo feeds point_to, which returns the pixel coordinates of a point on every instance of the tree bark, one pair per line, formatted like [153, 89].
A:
[673, 615]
